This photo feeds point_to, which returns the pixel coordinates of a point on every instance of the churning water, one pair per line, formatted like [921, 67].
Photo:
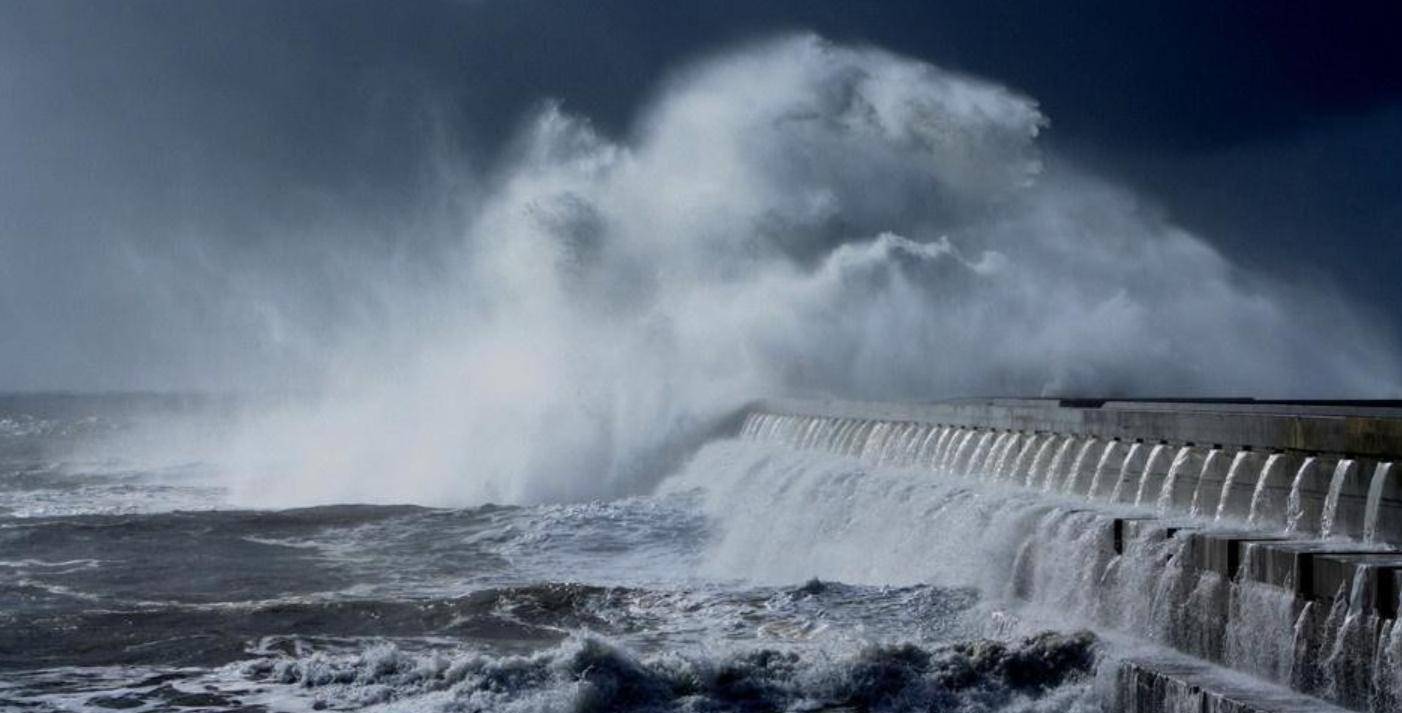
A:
[757, 577]
[805, 563]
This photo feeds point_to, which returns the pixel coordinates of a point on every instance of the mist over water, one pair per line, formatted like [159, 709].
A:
[787, 216]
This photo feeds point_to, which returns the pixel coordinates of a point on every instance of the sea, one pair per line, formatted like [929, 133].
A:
[754, 576]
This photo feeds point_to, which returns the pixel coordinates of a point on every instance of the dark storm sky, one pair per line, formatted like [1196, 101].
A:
[1272, 128]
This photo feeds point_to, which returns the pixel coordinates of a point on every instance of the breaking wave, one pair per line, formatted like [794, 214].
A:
[791, 215]
[587, 674]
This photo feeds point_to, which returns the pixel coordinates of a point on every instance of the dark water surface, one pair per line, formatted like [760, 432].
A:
[130, 584]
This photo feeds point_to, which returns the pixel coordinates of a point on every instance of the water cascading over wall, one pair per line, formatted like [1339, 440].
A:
[1261, 537]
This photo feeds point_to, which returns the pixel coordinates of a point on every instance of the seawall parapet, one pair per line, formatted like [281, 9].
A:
[1264, 537]
[1359, 428]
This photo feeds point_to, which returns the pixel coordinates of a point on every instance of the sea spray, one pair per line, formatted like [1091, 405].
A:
[595, 353]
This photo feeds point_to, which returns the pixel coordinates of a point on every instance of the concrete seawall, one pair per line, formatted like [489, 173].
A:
[1360, 429]
[1269, 532]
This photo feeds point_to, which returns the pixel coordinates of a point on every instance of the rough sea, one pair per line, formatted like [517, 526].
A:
[754, 578]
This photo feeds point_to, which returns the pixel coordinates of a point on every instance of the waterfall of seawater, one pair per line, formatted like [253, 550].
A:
[1000, 467]
[921, 455]
[857, 501]
[1264, 509]
[947, 447]
[1377, 487]
[974, 468]
[1205, 499]
[1017, 468]
[871, 445]
[1128, 471]
[1169, 496]
[1149, 482]
[902, 452]
[957, 457]
[1260, 634]
[794, 514]
[1296, 513]
[1330, 523]
[1347, 671]
[1039, 461]
[1076, 478]
[1228, 503]
[931, 457]
[1055, 470]
[945, 454]
[1099, 484]
[1010, 449]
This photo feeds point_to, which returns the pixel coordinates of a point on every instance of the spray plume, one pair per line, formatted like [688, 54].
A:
[789, 216]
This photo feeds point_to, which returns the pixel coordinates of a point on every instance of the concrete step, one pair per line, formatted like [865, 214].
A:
[1170, 683]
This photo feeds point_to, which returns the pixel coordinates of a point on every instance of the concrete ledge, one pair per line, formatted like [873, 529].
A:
[1155, 529]
[1221, 552]
[1338, 572]
[1175, 684]
[1126, 529]
[1383, 518]
[1276, 479]
[1290, 565]
[1359, 431]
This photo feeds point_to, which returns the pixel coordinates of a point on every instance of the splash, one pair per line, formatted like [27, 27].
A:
[590, 675]
[788, 216]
